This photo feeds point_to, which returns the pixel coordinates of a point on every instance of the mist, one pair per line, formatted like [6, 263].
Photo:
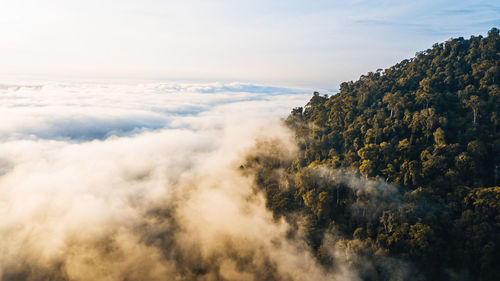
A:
[141, 182]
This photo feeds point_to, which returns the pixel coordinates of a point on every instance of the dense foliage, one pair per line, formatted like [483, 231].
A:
[425, 136]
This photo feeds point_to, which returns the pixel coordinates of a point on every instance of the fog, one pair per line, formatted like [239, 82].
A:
[142, 182]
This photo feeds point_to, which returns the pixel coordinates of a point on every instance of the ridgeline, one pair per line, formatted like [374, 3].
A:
[424, 134]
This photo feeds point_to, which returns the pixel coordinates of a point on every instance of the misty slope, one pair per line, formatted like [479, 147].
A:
[427, 132]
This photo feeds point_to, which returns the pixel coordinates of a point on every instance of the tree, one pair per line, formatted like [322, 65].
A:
[474, 103]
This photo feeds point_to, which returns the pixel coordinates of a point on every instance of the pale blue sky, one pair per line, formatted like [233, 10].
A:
[309, 43]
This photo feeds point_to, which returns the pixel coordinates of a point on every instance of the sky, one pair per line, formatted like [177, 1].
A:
[297, 43]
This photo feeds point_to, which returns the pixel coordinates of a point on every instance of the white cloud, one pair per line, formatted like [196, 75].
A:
[162, 204]
[82, 112]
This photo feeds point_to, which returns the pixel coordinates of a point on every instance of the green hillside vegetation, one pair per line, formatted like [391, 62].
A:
[426, 133]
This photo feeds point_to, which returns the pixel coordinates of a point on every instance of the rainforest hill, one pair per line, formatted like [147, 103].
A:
[424, 134]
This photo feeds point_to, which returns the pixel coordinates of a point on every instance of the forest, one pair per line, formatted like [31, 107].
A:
[401, 168]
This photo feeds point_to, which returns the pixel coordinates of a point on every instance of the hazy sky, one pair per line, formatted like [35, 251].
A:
[313, 43]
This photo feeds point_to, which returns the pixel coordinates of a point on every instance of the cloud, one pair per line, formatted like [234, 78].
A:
[165, 203]
[435, 20]
[82, 112]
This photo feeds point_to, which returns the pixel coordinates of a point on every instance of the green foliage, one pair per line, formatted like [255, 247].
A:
[429, 126]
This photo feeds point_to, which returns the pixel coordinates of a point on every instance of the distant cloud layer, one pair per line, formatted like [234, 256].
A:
[81, 112]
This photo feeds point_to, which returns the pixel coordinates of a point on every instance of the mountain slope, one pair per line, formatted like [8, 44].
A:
[426, 133]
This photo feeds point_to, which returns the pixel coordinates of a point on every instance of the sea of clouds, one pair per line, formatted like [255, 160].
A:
[81, 112]
[142, 182]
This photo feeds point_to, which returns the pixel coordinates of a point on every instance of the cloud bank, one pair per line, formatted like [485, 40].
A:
[83, 112]
[141, 182]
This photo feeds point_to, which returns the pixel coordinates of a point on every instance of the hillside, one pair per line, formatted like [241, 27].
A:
[401, 166]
